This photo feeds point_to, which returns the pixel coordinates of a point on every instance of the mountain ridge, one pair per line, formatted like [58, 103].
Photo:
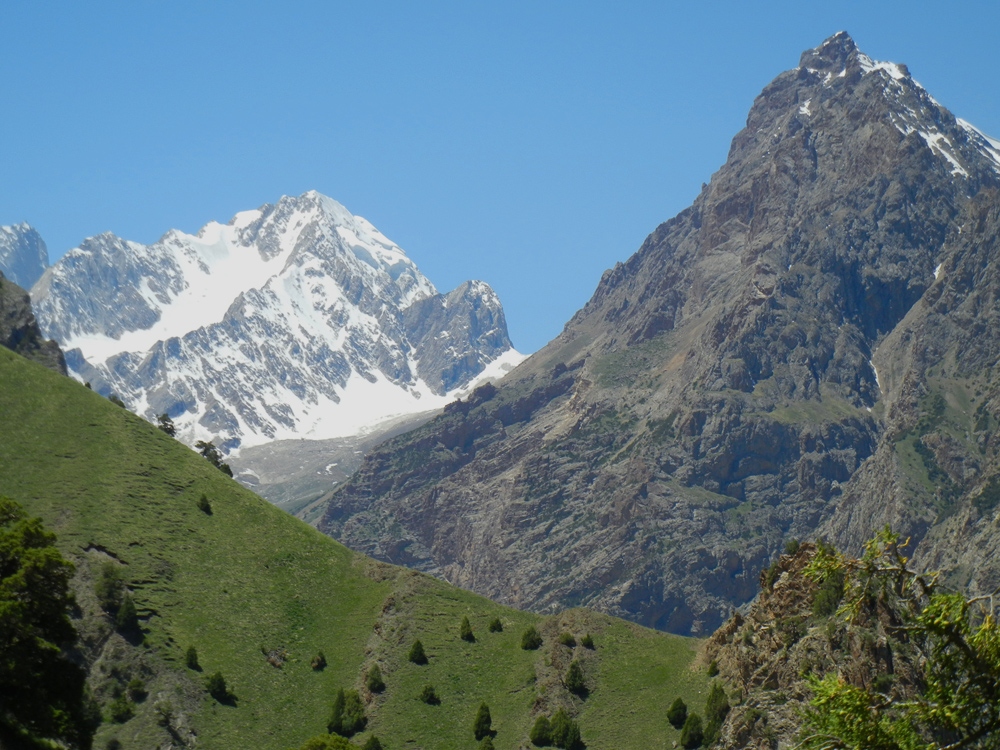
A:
[717, 394]
[290, 321]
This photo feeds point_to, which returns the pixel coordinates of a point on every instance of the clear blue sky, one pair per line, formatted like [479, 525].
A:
[530, 145]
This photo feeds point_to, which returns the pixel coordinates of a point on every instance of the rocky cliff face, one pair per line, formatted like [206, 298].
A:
[756, 371]
[19, 330]
[295, 320]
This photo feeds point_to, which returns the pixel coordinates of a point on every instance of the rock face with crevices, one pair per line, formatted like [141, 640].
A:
[19, 330]
[808, 349]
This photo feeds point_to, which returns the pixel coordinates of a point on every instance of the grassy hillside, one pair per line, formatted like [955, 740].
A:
[248, 582]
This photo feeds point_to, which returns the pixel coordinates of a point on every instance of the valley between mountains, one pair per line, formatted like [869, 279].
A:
[808, 352]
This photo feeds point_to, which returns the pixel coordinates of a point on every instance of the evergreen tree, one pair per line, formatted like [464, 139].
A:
[678, 713]
[216, 686]
[465, 631]
[373, 744]
[541, 733]
[495, 625]
[559, 728]
[108, 586]
[165, 423]
[482, 726]
[203, 505]
[319, 661]
[335, 724]
[41, 692]
[374, 681]
[417, 655]
[486, 744]
[587, 642]
[567, 639]
[127, 619]
[429, 696]
[573, 739]
[716, 708]
[531, 639]
[191, 659]
[347, 716]
[574, 680]
[213, 455]
[692, 734]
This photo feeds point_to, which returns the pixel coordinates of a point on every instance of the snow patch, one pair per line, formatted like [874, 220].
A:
[804, 109]
[937, 271]
[878, 381]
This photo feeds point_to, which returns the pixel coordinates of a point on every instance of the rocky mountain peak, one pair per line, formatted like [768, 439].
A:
[296, 319]
[23, 255]
[745, 377]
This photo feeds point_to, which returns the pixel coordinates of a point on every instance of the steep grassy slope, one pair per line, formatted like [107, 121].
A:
[248, 581]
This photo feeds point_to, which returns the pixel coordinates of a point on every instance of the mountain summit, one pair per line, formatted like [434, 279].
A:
[294, 320]
[808, 349]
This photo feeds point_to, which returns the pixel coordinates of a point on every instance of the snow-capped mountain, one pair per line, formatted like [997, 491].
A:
[294, 320]
[23, 255]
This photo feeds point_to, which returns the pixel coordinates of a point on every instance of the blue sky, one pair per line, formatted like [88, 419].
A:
[530, 145]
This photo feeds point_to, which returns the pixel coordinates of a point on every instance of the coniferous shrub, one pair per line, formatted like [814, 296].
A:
[372, 744]
[531, 639]
[541, 733]
[677, 714]
[465, 631]
[495, 625]
[716, 708]
[108, 586]
[574, 680]
[486, 744]
[567, 639]
[318, 662]
[373, 680]
[165, 423]
[713, 668]
[127, 620]
[482, 725]
[347, 716]
[217, 688]
[120, 710]
[429, 696]
[203, 505]
[137, 690]
[191, 659]
[559, 728]
[587, 642]
[692, 734]
[417, 655]
[573, 740]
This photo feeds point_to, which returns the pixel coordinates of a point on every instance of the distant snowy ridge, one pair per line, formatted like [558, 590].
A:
[294, 320]
[23, 255]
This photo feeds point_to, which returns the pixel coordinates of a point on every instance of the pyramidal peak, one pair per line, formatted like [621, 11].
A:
[295, 319]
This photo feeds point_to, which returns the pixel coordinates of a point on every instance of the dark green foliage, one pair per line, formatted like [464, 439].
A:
[347, 717]
[792, 547]
[108, 586]
[318, 662]
[587, 642]
[116, 401]
[42, 693]
[328, 742]
[677, 714]
[217, 688]
[127, 620]
[137, 690]
[883, 683]
[989, 498]
[574, 680]
[495, 625]
[564, 732]
[713, 668]
[465, 631]
[482, 725]
[213, 455]
[692, 734]
[531, 639]
[541, 733]
[165, 423]
[204, 506]
[417, 655]
[716, 709]
[567, 639]
[429, 696]
[486, 744]
[120, 710]
[372, 743]
[373, 680]
[829, 594]
[771, 576]
[113, 743]
[191, 659]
